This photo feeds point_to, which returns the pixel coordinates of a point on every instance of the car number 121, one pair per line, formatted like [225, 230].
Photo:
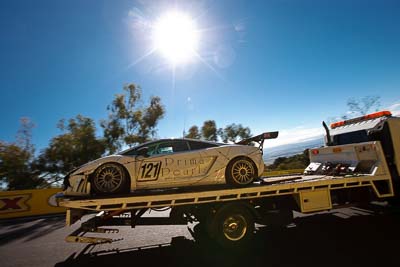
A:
[150, 170]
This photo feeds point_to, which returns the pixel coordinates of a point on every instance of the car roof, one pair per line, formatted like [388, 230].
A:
[185, 139]
[174, 139]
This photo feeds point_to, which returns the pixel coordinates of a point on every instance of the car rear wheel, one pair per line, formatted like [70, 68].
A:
[110, 178]
[241, 172]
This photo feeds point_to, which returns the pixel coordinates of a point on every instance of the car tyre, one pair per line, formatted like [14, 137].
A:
[110, 178]
[241, 172]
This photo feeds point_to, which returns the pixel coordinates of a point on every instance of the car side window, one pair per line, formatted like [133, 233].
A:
[169, 147]
[179, 146]
[152, 149]
[164, 148]
[200, 145]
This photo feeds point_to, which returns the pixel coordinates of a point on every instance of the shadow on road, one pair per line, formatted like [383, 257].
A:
[319, 240]
[36, 227]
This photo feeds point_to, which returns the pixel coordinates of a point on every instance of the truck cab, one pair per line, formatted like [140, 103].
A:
[379, 126]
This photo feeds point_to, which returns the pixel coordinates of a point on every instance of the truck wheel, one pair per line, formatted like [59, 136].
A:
[109, 178]
[233, 226]
[240, 172]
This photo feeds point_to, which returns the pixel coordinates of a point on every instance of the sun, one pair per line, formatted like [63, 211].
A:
[176, 37]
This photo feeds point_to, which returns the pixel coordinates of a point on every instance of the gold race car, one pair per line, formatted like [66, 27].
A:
[170, 163]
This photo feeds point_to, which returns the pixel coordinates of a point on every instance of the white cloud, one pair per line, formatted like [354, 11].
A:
[296, 135]
[301, 133]
[395, 109]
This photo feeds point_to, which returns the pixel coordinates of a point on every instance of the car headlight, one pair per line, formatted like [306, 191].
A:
[66, 183]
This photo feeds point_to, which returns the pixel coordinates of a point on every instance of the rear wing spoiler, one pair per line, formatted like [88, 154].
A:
[259, 139]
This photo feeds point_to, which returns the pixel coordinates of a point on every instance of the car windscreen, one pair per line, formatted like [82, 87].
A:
[129, 152]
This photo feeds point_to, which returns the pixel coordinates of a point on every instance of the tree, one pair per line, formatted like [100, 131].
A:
[209, 130]
[359, 107]
[151, 115]
[233, 132]
[193, 133]
[16, 159]
[299, 161]
[128, 123]
[73, 148]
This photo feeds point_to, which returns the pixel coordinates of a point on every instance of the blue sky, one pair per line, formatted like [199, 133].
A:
[270, 65]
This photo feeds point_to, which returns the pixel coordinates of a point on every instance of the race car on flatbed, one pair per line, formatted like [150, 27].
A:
[359, 163]
[170, 163]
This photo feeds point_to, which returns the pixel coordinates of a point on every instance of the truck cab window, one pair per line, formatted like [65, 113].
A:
[351, 138]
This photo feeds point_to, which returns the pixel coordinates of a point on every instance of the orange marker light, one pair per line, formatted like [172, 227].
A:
[337, 150]
[362, 118]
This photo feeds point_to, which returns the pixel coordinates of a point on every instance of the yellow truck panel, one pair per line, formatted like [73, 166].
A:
[394, 126]
[316, 200]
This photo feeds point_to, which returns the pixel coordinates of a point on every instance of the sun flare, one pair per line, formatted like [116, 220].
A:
[176, 37]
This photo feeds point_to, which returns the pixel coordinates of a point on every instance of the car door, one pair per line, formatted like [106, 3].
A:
[170, 163]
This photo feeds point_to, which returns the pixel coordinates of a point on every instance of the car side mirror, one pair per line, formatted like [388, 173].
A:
[143, 151]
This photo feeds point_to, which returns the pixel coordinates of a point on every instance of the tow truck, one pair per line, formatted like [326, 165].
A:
[359, 163]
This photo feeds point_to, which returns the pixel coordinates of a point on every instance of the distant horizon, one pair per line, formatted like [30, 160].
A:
[287, 150]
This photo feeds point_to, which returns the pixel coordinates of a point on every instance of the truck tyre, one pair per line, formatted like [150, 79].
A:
[110, 178]
[241, 172]
[232, 226]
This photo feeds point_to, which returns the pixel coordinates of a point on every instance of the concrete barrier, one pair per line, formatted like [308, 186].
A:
[23, 203]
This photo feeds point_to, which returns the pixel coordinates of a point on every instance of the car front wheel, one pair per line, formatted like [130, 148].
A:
[109, 178]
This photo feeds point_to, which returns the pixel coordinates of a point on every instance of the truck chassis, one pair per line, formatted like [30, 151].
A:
[311, 193]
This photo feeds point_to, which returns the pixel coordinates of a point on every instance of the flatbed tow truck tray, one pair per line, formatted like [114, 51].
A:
[136, 205]
[279, 187]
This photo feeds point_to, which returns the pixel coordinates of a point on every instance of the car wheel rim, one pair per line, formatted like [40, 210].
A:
[108, 179]
[243, 172]
[235, 227]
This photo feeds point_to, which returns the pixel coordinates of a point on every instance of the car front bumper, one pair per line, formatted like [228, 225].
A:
[76, 185]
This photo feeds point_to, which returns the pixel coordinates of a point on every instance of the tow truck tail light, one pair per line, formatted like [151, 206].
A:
[315, 151]
[362, 118]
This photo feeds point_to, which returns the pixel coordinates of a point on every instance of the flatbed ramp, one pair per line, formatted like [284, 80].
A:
[273, 186]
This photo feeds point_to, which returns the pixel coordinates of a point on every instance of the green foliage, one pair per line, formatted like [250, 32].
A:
[234, 132]
[76, 146]
[16, 168]
[209, 131]
[362, 106]
[129, 123]
[231, 133]
[359, 107]
[193, 133]
[299, 161]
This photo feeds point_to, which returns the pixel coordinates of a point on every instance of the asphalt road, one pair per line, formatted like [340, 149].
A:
[345, 237]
